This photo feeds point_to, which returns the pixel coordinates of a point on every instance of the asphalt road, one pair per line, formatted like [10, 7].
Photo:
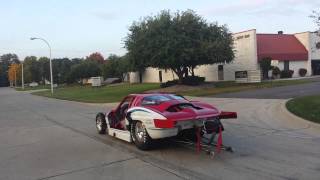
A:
[44, 138]
[284, 92]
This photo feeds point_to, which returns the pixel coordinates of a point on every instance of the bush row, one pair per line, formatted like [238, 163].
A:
[287, 73]
[190, 80]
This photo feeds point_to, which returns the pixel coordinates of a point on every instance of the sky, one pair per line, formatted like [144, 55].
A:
[76, 28]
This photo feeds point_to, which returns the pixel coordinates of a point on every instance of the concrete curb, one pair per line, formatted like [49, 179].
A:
[108, 105]
[32, 91]
[297, 118]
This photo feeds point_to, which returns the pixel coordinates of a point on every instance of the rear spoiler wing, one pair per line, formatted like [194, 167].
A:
[228, 115]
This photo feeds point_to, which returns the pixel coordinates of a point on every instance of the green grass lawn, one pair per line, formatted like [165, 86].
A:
[117, 92]
[307, 107]
[103, 94]
[231, 86]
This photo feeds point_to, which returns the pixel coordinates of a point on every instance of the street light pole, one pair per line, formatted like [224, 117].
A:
[51, 77]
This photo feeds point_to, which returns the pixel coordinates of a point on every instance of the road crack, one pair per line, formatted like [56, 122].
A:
[87, 168]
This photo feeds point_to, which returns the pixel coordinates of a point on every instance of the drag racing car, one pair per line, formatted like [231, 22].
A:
[144, 118]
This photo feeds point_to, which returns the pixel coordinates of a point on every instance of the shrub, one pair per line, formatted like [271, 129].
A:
[193, 80]
[275, 71]
[169, 83]
[302, 72]
[190, 80]
[286, 73]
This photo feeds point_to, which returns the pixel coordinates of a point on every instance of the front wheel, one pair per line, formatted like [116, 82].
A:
[101, 123]
[140, 135]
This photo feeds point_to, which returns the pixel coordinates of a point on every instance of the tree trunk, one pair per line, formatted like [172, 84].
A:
[185, 71]
[140, 76]
[179, 73]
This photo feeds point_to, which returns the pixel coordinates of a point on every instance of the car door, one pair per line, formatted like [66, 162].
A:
[120, 113]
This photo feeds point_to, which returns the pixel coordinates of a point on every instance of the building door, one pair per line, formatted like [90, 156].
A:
[315, 65]
[286, 65]
[220, 73]
[160, 76]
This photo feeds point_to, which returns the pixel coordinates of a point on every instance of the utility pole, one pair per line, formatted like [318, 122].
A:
[15, 76]
[22, 77]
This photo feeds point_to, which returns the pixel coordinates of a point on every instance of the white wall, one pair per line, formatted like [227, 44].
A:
[315, 53]
[305, 39]
[295, 66]
[245, 54]
[245, 47]
[210, 72]
[151, 75]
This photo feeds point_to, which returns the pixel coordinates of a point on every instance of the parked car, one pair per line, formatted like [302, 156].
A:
[34, 84]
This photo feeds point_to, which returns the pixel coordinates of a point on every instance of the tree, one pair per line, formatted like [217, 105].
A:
[85, 69]
[32, 71]
[61, 68]
[5, 61]
[115, 66]
[316, 18]
[265, 65]
[138, 55]
[44, 68]
[180, 42]
[14, 73]
[97, 57]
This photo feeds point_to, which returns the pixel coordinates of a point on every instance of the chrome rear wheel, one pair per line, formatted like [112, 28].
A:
[101, 124]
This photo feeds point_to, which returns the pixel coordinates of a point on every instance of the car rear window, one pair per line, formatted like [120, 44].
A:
[152, 100]
[158, 99]
[177, 97]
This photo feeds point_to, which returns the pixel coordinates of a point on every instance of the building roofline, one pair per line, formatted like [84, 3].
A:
[303, 32]
[274, 34]
[245, 31]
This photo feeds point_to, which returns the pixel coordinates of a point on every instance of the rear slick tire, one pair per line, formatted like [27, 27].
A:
[140, 136]
[101, 124]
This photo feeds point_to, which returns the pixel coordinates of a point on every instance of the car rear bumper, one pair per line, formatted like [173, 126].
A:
[159, 133]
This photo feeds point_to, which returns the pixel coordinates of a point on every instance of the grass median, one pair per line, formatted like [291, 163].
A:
[105, 94]
[307, 107]
[114, 93]
[231, 86]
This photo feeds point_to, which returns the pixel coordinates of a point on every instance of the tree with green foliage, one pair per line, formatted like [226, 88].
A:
[316, 18]
[32, 72]
[85, 69]
[265, 65]
[178, 41]
[44, 68]
[61, 69]
[115, 66]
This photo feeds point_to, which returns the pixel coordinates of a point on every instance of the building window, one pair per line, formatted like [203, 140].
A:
[286, 65]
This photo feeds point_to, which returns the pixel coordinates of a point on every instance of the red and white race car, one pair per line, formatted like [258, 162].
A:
[142, 118]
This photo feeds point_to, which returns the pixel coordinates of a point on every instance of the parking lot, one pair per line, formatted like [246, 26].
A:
[43, 138]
